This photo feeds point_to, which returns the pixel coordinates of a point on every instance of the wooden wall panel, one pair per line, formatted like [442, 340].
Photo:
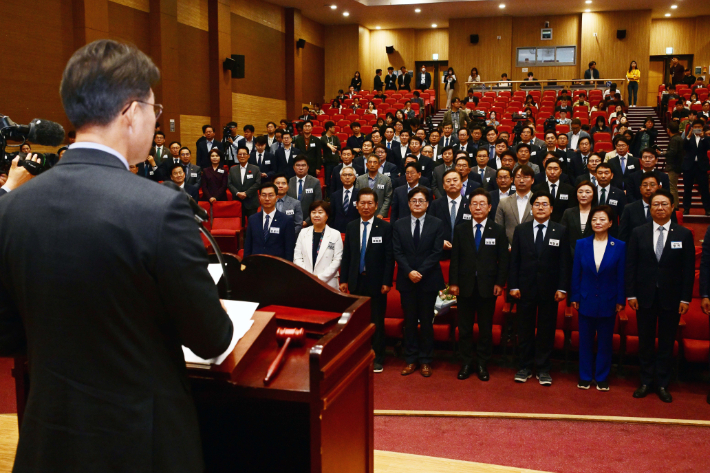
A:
[404, 43]
[491, 56]
[612, 55]
[432, 41]
[129, 25]
[341, 58]
[266, 14]
[142, 5]
[257, 111]
[264, 58]
[678, 33]
[312, 32]
[193, 71]
[313, 85]
[191, 131]
[702, 44]
[565, 32]
[193, 13]
[363, 64]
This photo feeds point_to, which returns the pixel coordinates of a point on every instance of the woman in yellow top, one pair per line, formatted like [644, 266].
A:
[633, 77]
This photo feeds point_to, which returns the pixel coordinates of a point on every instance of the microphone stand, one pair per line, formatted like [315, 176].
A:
[218, 252]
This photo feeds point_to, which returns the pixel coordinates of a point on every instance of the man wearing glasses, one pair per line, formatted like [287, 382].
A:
[538, 280]
[515, 209]
[418, 244]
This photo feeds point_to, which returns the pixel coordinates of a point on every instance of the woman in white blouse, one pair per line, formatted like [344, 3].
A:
[474, 77]
[319, 248]
[577, 219]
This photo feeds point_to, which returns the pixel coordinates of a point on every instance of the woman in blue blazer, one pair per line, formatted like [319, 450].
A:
[598, 294]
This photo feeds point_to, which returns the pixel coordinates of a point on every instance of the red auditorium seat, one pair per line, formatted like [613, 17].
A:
[227, 225]
[594, 115]
[632, 333]
[602, 136]
[603, 146]
[562, 128]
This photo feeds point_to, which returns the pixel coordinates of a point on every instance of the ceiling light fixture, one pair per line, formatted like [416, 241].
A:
[346, 13]
[673, 7]
[502, 5]
[433, 25]
[334, 7]
[588, 2]
[668, 14]
[378, 27]
[417, 10]
[587, 10]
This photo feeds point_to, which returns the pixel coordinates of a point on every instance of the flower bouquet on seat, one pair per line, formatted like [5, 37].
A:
[444, 301]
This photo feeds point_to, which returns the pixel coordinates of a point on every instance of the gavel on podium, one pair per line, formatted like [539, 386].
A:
[285, 337]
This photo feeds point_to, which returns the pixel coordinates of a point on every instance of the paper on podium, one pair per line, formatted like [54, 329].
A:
[240, 312]
[215, 271]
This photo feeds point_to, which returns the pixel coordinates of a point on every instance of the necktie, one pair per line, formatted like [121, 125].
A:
[659, 244]
[346, 201]
[177, 160]
[594, 180]
[259, 160]
[389, 145]
[602, 199]
[483, 171]
[463, 189]
[584, 160]
[300, 189]
[540, 239]
[158, 152]
[209, 146]
[363, 246]
[280, 205]
[648, 214]
[478, 235]
[453, 218]
[266, 227]
[417, 233]
[491, 151]
[552, 191]
[446, 142]
[623, 164]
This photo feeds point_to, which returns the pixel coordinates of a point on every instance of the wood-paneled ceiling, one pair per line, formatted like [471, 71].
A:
[389, 14]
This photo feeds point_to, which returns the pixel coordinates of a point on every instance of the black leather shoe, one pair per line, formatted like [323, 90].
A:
[465, 372]
[686, 212]
[642, 391]
[482, 373]
[664, 395]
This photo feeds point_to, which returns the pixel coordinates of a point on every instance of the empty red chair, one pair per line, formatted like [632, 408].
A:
[366, 129]
[227, 225]
[344, 123]
[603, 146]
[318, 130]
[343, 137]
[602, 136]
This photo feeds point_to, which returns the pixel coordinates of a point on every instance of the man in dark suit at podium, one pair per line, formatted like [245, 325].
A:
[367, 267]
[269, 231]
[120, 294]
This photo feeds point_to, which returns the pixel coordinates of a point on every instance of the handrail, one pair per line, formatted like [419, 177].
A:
[591, 82]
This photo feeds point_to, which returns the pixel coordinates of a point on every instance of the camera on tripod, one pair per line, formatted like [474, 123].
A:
[43, 132]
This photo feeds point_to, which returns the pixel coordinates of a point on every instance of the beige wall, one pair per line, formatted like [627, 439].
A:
[342, 53]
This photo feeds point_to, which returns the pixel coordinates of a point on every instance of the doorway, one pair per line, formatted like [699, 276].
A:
[436, 69]
[655, 79]
[686, 60]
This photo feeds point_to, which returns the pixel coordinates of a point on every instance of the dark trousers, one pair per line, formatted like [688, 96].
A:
[328, 174]
[690, 178]
[418, 307]
[603, 329]
[536, 349]
[651, 360]
[633, 92]
[378, 308]
[469, 309]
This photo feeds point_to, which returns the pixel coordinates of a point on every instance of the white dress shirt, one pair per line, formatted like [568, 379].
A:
[599, 249]
[414, 223]
[522, 202]
[656, 233]
[574, 140]
[544, 230]
[483, 227]
[271, 218]
[99, 147]
[243, 171]
[351, 191]
[368, 229]
[458, 204]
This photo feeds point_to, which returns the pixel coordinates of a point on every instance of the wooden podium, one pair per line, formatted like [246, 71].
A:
[317, 414]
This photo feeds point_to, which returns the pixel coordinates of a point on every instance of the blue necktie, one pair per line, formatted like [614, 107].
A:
[540, 239]
[346, 202]
[492, 152]
[478, 235]
[649, 218]
[300, 189]
[363, 247]
[623, 164]
[266, 228]
[453, 219]
[389, 145]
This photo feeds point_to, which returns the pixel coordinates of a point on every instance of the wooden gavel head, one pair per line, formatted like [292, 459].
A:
[297, 335]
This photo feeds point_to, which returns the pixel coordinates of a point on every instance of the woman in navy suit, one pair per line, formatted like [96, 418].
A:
[597, 295]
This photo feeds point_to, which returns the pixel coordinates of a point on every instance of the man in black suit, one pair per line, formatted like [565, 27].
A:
[377, 87]
[563, 195]
[465, 145]
[177, 175]
[503, 188]
[592, 72]
[469, 182]
[270, 232]
[159, 151]
[205, 144]
[392, 146]
[346, 155]
[623, 164]
[286, 154]
[423, 79]
[696, 167]
[609, 195]
[105, 339]
[390, 79]
[193, 173]
[539, 280]
[427, 164]
[404, 79]
[639, 212]
[452, 209]
[578, 161]
[263, 159]
[660, 271]
[418, 243]
[367, 267]
[400, 200]
[648, 163]
[590, 175]
[477, 276]
[312, 147]
[402, 181]
[244, 183]
[446, 163]
[343, 202]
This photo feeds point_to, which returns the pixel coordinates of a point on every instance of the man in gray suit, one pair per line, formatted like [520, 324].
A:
[287, 204]
[244, 182]
[193, 173]
[446, 164]
[381, 184]
[510, 209]
[304, 187]
[576, 134]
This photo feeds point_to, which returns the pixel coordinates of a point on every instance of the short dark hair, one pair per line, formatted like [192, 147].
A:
[674, 127]
[173, 166]
[301, 157]
[184, 147]
[449, 172]
[286, 132]
[603, 166]
[522, 145]
[261, 140]
[205, 127]
[648, 150]
[539, 194]
[414, 165]
[465, 157]
[278, 175]
[158, 133]
[102, 78]
[354, 124]
[174, 142]
[366, 191]
[480, 191]
[347, 148]
[415, 138]
[329, 124]
[525, 170]
[508, 170]
[248, 128]
[553, 160]
[649, 175]
[663, 192]
[610, 214]
[322, 204]
[268, 185]
[501, 140]
[418, 190]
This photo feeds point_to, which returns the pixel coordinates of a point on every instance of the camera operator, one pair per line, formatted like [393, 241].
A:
[229, 137]
[17, 175]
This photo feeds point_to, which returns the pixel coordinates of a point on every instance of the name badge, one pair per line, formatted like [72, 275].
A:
[387, 174]
[221, 171]
[274, 230]
[467, 216]
[151, 173]
[309, 191]
[631, 166]
[250, 176]
[331, 245]
[267, 162]
[289, 212]
[613, 202]
[313, 145]
[193, 174]
[554, 242]
[380, 186]
[423, 168]
[676, 244]
[512, 188]
[533, 153]
[355, 202]
[564, 197]
[488, 179]
[490, 241]
[376, 239]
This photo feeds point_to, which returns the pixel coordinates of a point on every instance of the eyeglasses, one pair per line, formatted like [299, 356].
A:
[660, 204]
[541, 205]
[157, 108]
[479, 204]
[418, 201]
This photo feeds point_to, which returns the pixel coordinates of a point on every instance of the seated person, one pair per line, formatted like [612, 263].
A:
[563, 120]
[523, 156]
[177, 175]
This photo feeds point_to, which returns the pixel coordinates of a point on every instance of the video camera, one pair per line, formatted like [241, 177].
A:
[550, 124]
[42, 132]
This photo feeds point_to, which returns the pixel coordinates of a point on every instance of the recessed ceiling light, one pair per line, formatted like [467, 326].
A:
[668, 14]
[502, 5]
[673, 7]
[588, 2]
[346, 13]
[433, 25]
[377, 27]
[334, 7]
[417, 10]
[587, 10]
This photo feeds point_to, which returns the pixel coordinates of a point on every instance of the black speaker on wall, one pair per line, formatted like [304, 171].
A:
[620, 34]
[389, 49]
[474, 39]
[301, 43]
[235, 65]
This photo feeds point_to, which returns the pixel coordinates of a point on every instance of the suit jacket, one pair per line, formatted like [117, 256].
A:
[163, 170]
[634, 216]
[335, 183]
[192, 191]
[280, 240]
[400, 203]
[312, 192]
[576, 166]
[427, 165]
[704, 288]
[565, 198]
[193, 176]
[427, 81]
[159, 158]
[693, 151]
[464, 119]
[591, 74]
[379, 256]
[203, 156]
[99, 358]
[572, 220]
[214, 183]
[564, 179]
[313, 152]
[292, 208]
[390, 82]
[250, 185]
[424, 258]
[616, 199]
[483, 268]
[268, 163]
[282, 165]
[146, 170]
[586, 176]
[391, 171]
[621, 179]
[438, 179]
[403, 81]
[471, 184]
[441, 209]
[672, 277]
[355, 141]
[582, 134]
[452, 141]
[598, 291]
[470, 148]
[329, 257]
[339, 216]
[539, 276]
[489, 176]
[377, 84]
[507, 215]
[495, 200]
[383, 189]
[633, 191]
